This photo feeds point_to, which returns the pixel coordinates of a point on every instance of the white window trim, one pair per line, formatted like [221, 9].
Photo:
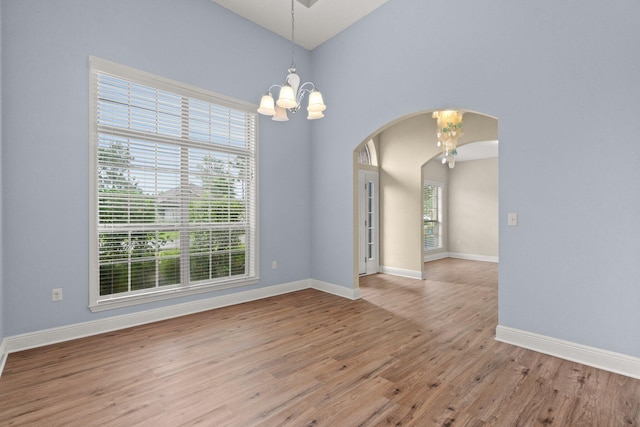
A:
[440, 185]
[97, 303]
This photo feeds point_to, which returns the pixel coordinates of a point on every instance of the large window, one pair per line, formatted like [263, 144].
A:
[432, 221]
[173, 187]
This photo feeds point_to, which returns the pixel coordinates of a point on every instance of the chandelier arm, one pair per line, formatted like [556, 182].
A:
[302, 91]
[307, 90]
[272, 86]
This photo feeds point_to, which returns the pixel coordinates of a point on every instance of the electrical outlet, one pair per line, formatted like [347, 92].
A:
[56, 294]
[274, 265]
[512, 219]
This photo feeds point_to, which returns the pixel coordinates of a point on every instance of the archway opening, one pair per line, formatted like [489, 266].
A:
[403, 150]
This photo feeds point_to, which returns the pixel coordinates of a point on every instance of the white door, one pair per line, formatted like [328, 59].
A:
[368, 218]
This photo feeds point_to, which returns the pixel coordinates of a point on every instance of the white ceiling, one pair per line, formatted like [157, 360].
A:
[313, 25]
[477, 150]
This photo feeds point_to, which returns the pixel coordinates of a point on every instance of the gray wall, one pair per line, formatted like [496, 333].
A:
[559, 76]
[45, 48]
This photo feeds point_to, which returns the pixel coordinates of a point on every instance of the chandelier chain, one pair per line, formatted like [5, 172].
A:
[293, 43]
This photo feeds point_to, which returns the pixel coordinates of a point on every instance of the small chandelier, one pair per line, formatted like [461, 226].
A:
[449, 130]
[292, 93]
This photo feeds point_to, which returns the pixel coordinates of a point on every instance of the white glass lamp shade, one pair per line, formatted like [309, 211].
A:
[280, 114]
[287, 98]
[267, 105]
[316, 105]
[313, 115]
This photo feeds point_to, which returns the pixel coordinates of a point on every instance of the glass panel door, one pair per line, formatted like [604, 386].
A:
[368, 219]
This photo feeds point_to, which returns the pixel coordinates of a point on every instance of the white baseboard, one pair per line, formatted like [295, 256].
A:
[402, 272]
[3, 355]
[470, 257]
[473, 257]
[435, 257]
[602, 359]
[42, 338]
[340, 291]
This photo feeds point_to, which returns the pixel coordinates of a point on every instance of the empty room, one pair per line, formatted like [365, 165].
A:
[277, 212]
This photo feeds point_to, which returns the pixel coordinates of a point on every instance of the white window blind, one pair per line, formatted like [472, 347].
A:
[174, 178]
[432, 223]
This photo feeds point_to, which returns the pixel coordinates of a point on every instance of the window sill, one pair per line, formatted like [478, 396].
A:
[165, 294]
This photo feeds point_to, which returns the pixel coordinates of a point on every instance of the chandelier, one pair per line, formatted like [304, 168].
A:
[292, 92]
[449, 124]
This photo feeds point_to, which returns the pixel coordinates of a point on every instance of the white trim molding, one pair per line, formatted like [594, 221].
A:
[435, 257]
[3, 355]
[81, 330]
[109, 324]
[602, 359]
[402, 272]
[472, 257]
[341, 291]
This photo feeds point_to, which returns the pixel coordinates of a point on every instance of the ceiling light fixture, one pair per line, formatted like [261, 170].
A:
[292, 92]
[449, 124]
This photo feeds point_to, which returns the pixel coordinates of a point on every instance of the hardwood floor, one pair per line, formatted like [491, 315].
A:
[410, 352]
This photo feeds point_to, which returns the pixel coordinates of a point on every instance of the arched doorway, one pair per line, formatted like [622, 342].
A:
[402, 148]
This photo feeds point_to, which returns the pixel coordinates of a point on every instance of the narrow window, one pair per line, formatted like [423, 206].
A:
[367, 154]
[432, 222]
[364, 157]
[173, 188]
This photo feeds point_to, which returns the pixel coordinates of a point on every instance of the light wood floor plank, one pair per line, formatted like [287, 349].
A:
[409, 353]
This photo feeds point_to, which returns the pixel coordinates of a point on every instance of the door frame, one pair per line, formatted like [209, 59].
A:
[368, 222]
